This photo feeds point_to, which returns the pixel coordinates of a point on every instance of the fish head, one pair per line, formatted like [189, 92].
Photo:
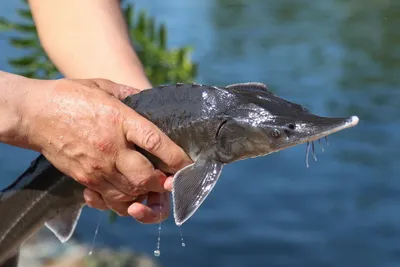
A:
[281, 132]
[264, 123]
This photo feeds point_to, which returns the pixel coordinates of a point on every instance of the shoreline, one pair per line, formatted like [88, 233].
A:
[44, 250]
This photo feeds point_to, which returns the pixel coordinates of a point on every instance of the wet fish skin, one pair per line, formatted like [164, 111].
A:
[220, 125]
[37, 197]
[12, 262]
[214, 126]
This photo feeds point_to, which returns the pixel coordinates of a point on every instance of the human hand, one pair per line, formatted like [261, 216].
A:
[87, 133]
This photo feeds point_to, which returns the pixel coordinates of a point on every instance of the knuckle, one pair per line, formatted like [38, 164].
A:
[88, 181]
[117, 207]
[100, 81]
[121, 197]
[89, 202]
[126, 90]
[81, 178]
[152, 141]
[144, 176]
[95, 168]
[139, 189]
[140, 183]
[173, 160]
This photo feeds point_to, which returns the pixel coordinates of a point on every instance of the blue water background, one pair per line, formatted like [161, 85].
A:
[337, 58]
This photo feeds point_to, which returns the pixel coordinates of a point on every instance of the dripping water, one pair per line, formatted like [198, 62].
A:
[182, 241]
[307, 152]
[95, 234]
[157, 252]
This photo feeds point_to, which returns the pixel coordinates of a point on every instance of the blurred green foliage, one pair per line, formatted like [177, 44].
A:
[162, 65]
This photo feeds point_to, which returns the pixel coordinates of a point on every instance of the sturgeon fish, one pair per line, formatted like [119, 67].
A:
[214, 125]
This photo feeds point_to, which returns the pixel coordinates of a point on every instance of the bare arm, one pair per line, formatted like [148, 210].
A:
[10, 118]
[13, 92]
[88, 39]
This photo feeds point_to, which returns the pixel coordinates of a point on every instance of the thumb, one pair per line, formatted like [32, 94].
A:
[146, 135]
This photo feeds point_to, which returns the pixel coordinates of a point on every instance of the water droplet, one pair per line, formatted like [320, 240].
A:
[95, 234]
[182, 242]
[157, 253]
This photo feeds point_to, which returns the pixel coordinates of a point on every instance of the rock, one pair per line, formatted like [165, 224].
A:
[45, 250]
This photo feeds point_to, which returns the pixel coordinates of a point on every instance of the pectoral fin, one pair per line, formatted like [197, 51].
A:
[191, 186]
[64, 224]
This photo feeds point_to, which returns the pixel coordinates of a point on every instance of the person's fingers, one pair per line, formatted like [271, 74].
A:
[105, 188]
[160, 202]
[94, 199]
[156, 210]
[149, 137]
[121, 208]
[119, 91]
[139, 173]
[168, 183]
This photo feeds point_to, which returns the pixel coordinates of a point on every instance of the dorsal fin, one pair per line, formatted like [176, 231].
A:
[249, 87]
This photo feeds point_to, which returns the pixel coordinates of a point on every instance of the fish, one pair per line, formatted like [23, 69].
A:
[214, 125]
[41, 195]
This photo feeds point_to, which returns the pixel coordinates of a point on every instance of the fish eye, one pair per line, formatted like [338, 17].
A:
[275, 133]
[291, 126]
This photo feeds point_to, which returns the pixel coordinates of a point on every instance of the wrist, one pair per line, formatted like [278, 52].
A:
[11, 102]
[16, 110]
[32, 124]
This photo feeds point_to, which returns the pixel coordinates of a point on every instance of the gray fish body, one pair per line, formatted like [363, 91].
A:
[219, 125]
[214, 126]
[193, 115]
[190, 114]
[40, 194]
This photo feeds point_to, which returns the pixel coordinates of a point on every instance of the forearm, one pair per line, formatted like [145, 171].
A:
[88, 39]
[13, 91]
